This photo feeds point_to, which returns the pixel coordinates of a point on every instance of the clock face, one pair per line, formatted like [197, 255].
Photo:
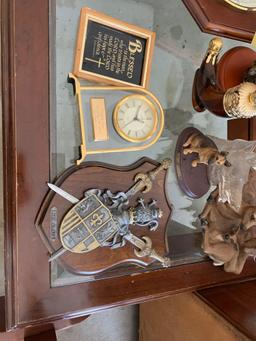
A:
[243, 4]
[135, 118]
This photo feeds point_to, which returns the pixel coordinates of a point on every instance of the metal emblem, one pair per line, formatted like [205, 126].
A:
[87, 225]
[102, 218]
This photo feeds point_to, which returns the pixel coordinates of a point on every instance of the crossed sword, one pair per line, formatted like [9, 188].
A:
[143, 183]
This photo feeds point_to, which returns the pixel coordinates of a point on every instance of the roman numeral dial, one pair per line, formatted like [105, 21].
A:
[135, 118]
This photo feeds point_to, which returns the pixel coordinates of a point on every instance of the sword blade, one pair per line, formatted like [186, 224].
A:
[134, 240]
[63, 193]
[57, 254]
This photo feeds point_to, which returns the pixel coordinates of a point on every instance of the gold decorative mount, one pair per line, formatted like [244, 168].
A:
[253, 43]
[214, 48]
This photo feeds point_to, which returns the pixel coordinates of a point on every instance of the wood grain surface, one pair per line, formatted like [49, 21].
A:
[236, 303]
[30, 300]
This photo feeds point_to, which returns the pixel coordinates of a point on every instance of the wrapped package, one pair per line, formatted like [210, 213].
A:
[231, 180]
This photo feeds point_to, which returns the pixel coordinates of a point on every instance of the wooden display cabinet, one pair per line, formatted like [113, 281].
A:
[29, 298]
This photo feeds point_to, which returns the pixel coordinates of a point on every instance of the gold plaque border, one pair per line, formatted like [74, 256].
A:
[101, 18]
[83, 148]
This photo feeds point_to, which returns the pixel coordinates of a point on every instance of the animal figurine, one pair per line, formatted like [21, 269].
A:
[206, 155]
[229, 236]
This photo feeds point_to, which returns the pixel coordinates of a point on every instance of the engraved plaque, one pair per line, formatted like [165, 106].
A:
[99, 119]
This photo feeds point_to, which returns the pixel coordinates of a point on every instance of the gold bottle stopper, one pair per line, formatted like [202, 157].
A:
[252, 98]
[214, 48]
[240, 101]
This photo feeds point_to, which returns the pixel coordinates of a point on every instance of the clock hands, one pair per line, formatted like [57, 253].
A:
[128, 123]
[136, 118]
[139, 120]
[137, 113]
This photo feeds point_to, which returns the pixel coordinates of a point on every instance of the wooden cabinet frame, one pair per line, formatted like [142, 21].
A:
[29, 298]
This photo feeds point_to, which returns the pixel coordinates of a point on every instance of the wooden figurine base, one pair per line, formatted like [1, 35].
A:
[233, 65]
[76, 180]
[197, 105]
[192, 180]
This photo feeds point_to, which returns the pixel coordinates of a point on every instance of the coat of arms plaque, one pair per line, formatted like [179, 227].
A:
[87, 225]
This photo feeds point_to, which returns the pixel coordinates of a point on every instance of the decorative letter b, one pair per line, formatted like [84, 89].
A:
[135, 46]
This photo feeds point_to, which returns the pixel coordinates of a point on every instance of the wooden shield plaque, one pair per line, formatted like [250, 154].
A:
[76, 181]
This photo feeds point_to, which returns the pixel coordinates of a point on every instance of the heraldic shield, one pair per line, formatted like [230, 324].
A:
[87, 225]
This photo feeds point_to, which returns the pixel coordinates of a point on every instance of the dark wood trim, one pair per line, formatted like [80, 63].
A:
[17, 335]
[48, 335]
[253, 128]
[25, 129]
[219, 18]
[87, 298]
[239, 129]
[236, 303]
[9, 154]
[242, 129]
[2, 314]
[40, 332]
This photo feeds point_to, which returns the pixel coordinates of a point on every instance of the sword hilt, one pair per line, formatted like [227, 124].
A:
[146, 180]
[147, 251]
[164, 165]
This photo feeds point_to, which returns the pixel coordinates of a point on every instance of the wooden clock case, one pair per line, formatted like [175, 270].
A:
[220, 18]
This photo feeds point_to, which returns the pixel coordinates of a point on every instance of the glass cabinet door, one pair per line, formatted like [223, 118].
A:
[179, 49]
